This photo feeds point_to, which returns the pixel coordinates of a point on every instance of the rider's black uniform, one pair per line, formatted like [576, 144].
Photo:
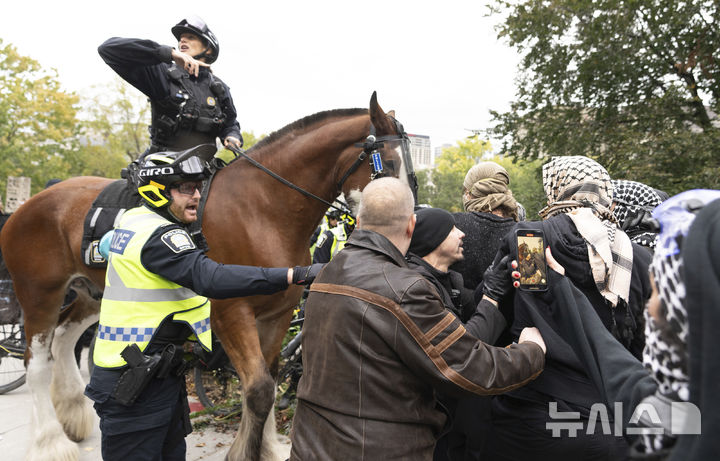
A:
[186, 110]
[162, 408]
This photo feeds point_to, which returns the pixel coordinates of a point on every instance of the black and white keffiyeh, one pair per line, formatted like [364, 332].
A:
[666, 343]
[634, 201]
[581, 188]
[665, 353]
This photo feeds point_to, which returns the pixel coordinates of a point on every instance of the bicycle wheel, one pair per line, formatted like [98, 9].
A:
[12, 358]
[219, 389]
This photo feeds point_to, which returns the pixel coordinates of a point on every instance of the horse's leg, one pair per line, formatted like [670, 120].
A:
[239, 336]
[271, 334]
[74, 410]
[48, 439]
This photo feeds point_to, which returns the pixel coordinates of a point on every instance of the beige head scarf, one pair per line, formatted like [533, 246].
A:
[487, 183]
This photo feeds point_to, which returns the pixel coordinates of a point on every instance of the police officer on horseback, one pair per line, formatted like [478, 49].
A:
[156, 297]
[190, 105]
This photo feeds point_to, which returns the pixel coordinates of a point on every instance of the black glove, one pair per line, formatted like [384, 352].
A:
[497, 280]
[304, 275]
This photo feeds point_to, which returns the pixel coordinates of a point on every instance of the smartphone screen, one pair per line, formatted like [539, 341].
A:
[531, 260]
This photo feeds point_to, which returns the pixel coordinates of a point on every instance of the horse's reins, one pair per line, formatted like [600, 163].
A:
[262, 167]
[370, 148]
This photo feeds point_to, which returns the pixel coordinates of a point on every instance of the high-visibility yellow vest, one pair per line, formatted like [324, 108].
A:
[136, 301]
[339, 240]
[324, 225]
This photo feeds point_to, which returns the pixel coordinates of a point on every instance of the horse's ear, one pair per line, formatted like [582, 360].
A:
[391, 114]
[378, 117]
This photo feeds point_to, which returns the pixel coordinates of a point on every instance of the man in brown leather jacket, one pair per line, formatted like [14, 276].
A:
[378, 342]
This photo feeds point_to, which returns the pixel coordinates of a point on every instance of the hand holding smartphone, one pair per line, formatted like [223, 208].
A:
[531, 260]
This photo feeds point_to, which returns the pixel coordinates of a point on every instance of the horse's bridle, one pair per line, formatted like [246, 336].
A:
[370, 149]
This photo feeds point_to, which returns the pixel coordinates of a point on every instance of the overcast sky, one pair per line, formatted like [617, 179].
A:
[438, 64]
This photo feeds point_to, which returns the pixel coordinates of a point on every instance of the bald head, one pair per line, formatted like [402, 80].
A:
[386, 207]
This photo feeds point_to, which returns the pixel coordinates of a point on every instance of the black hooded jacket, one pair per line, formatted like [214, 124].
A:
[570, 250]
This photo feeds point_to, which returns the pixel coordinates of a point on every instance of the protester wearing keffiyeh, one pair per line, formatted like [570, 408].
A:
[666, 348]
[581, 188]
[634, 202]
[487, 187]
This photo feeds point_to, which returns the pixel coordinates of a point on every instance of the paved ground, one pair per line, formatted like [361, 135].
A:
[207, 444]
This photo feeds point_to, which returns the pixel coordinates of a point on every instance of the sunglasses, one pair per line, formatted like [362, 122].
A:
[189, 188]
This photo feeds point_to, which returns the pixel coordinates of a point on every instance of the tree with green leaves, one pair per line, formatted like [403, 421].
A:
[633, 84]
[38, 125]
[525, 184]
[441, 187]
[114, 129]
[47, 133]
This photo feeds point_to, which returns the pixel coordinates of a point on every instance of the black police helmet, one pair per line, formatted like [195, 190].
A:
[333, 214]
[159, 171]
[194, 25]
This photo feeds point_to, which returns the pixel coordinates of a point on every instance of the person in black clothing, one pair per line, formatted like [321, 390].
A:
[490, 212]
[436, 244]
[190, 105]
[678, 369]
[155, 298]
[610, 273]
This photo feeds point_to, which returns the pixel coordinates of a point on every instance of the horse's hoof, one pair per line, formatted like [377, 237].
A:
[53, 445]
[77, 418]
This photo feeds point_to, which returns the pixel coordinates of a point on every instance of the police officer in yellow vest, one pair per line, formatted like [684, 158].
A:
[333, 240]
[329, 221]
[156, 297]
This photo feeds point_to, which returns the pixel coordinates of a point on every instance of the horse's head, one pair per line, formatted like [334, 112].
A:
[380, 154]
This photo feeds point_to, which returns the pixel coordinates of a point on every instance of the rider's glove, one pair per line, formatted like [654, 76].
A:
[304, 275]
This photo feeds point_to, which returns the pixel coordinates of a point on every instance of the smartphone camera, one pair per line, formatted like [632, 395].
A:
[531, 260]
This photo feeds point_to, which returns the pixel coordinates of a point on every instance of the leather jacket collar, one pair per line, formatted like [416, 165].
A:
[377, 242]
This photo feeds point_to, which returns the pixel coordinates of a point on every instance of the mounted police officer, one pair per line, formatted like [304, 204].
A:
[156, 297]
[190, 105]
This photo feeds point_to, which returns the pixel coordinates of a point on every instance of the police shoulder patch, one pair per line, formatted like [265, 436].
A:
[178, 240]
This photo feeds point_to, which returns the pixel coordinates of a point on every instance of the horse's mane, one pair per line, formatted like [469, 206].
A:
[306, 122]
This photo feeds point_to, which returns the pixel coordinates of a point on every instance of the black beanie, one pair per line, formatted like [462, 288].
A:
[431, 229]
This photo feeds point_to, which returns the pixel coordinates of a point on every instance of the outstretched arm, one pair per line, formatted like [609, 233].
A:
[140, 63]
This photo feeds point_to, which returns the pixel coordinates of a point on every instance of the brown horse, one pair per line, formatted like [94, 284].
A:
[250, 218]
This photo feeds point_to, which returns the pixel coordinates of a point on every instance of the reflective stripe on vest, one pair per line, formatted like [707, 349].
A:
[339, 241]
[325, 225]
[136, 301]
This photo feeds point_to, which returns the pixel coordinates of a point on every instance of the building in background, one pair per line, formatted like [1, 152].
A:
[439, 149]
[421, 152]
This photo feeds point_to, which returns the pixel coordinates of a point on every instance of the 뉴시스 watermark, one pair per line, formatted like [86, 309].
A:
[649, 417]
